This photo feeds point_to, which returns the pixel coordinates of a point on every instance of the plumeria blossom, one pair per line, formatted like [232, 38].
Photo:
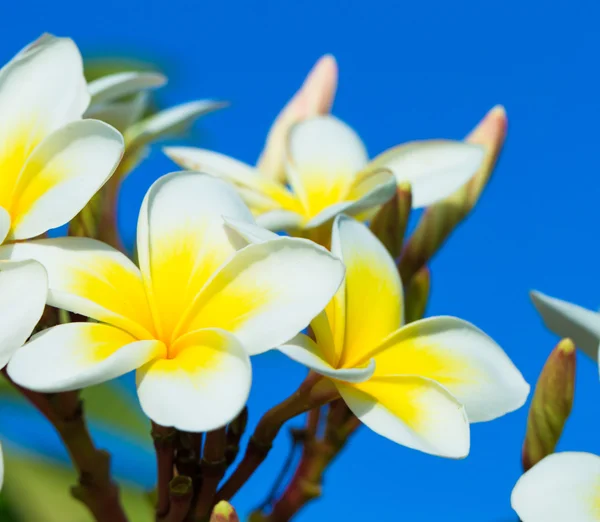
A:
[563, 486]
[329, 173]
[188, 317]
[51, 163]
[570, 320]
[419, 385]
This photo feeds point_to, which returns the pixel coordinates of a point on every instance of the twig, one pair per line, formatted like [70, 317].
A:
[164, 445]
[307, 396]
[213, 468]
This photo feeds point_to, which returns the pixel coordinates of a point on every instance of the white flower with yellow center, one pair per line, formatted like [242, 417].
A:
[329, 173]
[419, 385]
[562, 487]
[51, 163]
[187, 319]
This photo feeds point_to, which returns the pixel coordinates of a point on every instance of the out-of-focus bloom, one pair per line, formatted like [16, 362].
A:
[570, 320]
[419, 385]
[187, 318]
[562, 487]
[551, 404]
[328, 170]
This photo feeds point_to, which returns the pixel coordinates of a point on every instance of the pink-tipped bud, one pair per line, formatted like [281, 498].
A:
[224, 512]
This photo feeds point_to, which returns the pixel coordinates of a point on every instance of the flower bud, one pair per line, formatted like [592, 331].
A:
[439, 220]
[551, 404]
[224, 512]
[416, 295]
[389, 224]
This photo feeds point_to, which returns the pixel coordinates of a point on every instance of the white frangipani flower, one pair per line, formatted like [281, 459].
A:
[188, 317]
[329, 173]
[418, 384]
[564, 487]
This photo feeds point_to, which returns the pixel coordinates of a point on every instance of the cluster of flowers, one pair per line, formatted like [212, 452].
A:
[213, 283]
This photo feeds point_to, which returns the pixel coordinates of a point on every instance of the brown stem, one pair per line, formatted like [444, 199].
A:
[181, 491]
[317, 454]
[213, 466]
[309, 395]
[164, 445]
[95, 489]
[235, 430]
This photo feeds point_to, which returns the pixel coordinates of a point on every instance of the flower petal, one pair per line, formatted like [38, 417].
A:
[267, 293]
[563, 486]
[324, 155]
[280, 220]
[249, 232]
[4, 224]
[274, 195]
[314, 97]
[169, 121]
[23, 290]
[304, 350]
[202, 388]
[373, 300]
[41, 89]
[459, 356]
[62, 175]
[371, 193]
[117, 85]
[90, 278]
[412, 411]
[75, 355]
[182, 240]
[121, 114]
[570, 320]
[435, 168]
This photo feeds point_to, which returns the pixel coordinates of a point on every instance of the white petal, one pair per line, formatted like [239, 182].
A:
[435, 169]
[272, 195]
[90, 278]
[377, 195]
[43, 84]
[304, 350]
[120, 84]
[182, 240]
[373, 304]
[62, 175]
[324, 155]
[202, 388]
[562, 487]
[267, 292]
[23, 290]
[121, 114]
[249, 232]
[280, 220]
[412, 411]
[570, 320]
[459, 356]
[76, 355]
[4, 224]
[169, 121]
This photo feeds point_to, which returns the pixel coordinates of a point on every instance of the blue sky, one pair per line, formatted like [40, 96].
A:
[408, 70]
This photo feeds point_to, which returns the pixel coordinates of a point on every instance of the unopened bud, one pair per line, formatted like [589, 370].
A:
[389, 224]
[551, 404]
[416, 295]
[224, 512]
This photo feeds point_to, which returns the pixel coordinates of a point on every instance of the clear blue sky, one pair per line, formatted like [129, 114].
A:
[408, 70]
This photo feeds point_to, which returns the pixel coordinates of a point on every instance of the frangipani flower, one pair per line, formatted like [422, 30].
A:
[51, 163]
[570, 320]
[562, 487]
[419, 385]
[329, 173]
[187, 319]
